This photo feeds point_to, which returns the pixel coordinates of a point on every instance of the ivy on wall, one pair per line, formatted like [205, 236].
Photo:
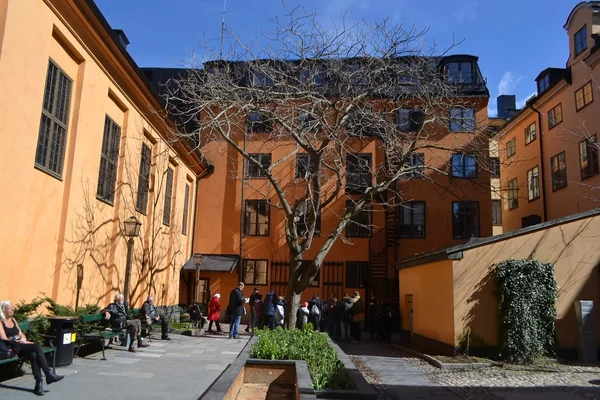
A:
[527, 294]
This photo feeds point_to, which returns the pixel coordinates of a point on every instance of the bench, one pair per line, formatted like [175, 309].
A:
[101, 334]
[47, 349]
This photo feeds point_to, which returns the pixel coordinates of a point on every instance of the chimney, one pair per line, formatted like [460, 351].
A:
[507, 105]
[123, 41]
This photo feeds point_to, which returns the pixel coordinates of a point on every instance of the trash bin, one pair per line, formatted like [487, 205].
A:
[63, 330]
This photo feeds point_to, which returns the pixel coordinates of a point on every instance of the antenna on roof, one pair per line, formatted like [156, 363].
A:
[222, 30]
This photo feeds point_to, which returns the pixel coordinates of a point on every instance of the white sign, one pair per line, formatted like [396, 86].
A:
[66, 338]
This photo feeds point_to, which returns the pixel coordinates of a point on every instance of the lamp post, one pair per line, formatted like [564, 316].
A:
[131, 230]
[197, 261]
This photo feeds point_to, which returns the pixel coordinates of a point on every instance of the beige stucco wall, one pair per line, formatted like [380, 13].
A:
[50, 225]
[572, 247]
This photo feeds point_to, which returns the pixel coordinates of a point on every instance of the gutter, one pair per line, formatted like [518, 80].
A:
[542, 174]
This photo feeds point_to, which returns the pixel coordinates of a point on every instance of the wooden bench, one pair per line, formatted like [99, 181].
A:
[137, 314]
[103, 333]
[47, 349]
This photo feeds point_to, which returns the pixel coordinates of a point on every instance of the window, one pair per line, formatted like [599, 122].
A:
[495, 167]
[261, 79]
[141, 202]
[360, 224]
[409, 119]
[464, 166]
[588, 157]
[303, 165]
[258, 123]
[580, 40]
[465, 219]
[408, 74]
[313, 76]
[496, 212]
[530, 134]
[253, 170]
[513, 194]
[186, 200]
[558, 164]
[533, 183]
[304, 266]
[168, 197]
[357, 274]
[255, 272]
[417, 164]
[307, 122]
[511, 147]
[52, 137]
[256, 218]
[460, 72]
[462, 119]
[555, 116]
[544, 83]
[301, 225]
[358, 172]
[109, 159]
[412, 219]
[584, 96]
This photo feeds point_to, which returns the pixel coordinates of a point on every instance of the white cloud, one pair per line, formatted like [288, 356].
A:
[509, 82]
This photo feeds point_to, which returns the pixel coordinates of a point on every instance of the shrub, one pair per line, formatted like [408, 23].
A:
[527, 294]
[324, 366]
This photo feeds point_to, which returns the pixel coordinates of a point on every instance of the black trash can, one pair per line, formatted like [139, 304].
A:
[65, 337]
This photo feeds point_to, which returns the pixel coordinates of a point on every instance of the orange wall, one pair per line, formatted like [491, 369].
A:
[431, 287]
[51, 225]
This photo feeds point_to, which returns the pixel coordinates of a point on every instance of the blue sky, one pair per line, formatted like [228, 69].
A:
[514, 39]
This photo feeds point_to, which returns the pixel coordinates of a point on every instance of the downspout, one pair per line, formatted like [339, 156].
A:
[240, 261]
[542, 175]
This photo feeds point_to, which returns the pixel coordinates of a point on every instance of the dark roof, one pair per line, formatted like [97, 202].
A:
[456, 252]
[214, 263]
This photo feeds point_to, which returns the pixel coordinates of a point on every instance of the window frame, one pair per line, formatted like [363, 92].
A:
[301, 224]
[460, 123]
[530, 133]
[544, 83]
[255, 281]
[360, 231]
[186, 205]
[513, 193]
[582, 90]
[583, 40]
[168, 201]
[111, 146]
[459, 73]
[413, 232]
[144, 173]
[302, 165]
[558, 184]
[362, 275]
[250, 167]
[533, 178]
[261, 125]
[463, 166]
[494, 167]
[553, 121]
[466, 203]
[513, 147]
[405, 119]
[359, 176]
[54, 120]
[247, 223]
[496, 212]
[592, 167]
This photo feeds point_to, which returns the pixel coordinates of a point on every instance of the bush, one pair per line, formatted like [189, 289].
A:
[325, 368]
[527, 294]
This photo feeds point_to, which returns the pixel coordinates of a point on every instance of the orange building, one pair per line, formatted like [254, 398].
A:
[84, 150]
[549, 149]
[242, 238]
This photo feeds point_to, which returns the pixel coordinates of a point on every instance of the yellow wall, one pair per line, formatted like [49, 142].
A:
[50, 225]
[431, 287]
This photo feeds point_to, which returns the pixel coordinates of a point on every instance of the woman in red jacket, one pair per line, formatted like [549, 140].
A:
[214, 307]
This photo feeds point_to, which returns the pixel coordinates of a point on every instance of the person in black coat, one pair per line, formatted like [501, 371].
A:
[315, 308]
[269, 307]
[235, 310]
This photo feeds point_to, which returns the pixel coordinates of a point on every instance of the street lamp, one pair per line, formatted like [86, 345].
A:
[198, 260]
[131, 230]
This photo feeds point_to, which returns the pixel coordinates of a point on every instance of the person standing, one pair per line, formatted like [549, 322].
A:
[345, 312]
[151, 314]
[358, 316]
[269, 309]
[235, 310]
[252, 301]
[373, 314]
[315, 308]
[214, 309]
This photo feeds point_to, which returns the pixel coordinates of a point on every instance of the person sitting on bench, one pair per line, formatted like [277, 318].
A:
[117, 312]
[151, 314]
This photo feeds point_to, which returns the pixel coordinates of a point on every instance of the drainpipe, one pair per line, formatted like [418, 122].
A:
[242, 210]
[542, 175]
[208, 172]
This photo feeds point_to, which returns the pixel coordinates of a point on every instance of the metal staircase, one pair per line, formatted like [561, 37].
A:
[382, 255]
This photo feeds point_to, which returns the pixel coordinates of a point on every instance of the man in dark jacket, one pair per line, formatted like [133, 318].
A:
[235, 309]
[117, 313]
[252, 302]
[315, 308]
[150, 313]
[269, 306]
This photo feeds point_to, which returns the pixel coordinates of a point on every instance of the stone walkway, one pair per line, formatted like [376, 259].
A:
[182, 368]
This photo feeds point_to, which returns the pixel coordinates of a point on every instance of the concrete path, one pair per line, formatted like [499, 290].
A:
[182, 368]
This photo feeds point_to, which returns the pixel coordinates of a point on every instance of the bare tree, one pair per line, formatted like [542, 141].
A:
[323, 93]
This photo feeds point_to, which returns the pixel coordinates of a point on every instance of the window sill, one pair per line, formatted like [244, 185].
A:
[48, 172]
[534, 199]
[557, 189]
[531, 141]
[105, 201]
[553, 126]
[250, 236]
[496, 224]
[586, 177]
[584, 106]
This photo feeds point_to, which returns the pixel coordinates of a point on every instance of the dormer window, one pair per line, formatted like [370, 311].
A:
[580, 40]
[544, 83]
[313, 75]
[261, 79]
[460, 72]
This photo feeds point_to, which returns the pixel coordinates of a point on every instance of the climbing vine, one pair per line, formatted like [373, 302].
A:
[527, 294]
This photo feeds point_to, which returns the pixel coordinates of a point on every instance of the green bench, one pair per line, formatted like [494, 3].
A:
[137, 314]
[103, 333]
[47, 349]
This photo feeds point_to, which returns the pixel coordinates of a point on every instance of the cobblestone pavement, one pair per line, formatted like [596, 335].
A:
[397, 375]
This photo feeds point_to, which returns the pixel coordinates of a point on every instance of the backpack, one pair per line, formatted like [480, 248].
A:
[314, 310]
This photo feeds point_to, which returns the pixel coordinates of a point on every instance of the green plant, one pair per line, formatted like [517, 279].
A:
[527, 294]
[324, 366]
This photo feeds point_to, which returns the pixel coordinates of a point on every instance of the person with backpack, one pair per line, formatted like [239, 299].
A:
[315, 308]
[345, 312]
[269, 306]
[302, 315]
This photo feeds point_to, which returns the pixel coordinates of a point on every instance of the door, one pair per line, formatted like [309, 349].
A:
[409, 310]
[203, 293]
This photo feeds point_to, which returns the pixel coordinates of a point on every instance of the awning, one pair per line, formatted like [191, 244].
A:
[214, 263]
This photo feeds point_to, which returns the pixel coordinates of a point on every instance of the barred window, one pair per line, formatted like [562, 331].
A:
[168, 197]
[186, 200]
[109, 160]
[141, 204]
